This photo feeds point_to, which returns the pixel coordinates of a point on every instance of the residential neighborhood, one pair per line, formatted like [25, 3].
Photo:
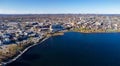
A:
[20, 31]
[12, 30]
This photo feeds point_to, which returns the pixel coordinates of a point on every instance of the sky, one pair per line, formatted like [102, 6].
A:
[59, 6]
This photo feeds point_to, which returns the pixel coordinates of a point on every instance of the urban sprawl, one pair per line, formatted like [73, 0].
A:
[20, 31]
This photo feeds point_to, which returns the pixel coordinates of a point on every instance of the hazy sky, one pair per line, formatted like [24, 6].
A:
[59, 6]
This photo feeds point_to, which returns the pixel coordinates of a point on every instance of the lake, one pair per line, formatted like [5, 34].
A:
[74, 49]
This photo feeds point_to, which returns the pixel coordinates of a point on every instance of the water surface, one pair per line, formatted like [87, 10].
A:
[74, 49]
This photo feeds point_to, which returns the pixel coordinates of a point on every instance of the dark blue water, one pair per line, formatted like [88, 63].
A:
[74, 49]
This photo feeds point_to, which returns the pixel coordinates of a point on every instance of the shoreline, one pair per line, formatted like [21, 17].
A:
[27, 48]
[22, 52]
[95, 32]
[43, 39]
[83, 30]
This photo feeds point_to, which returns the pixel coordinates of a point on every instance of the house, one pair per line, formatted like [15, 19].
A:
[6, 41]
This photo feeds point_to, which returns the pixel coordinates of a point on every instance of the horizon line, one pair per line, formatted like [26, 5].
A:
[54, 13]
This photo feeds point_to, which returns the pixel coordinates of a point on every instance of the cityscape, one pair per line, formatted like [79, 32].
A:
[59, 38]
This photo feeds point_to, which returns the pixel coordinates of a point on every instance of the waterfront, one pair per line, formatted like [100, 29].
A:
[15, 36]
[74, 49]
